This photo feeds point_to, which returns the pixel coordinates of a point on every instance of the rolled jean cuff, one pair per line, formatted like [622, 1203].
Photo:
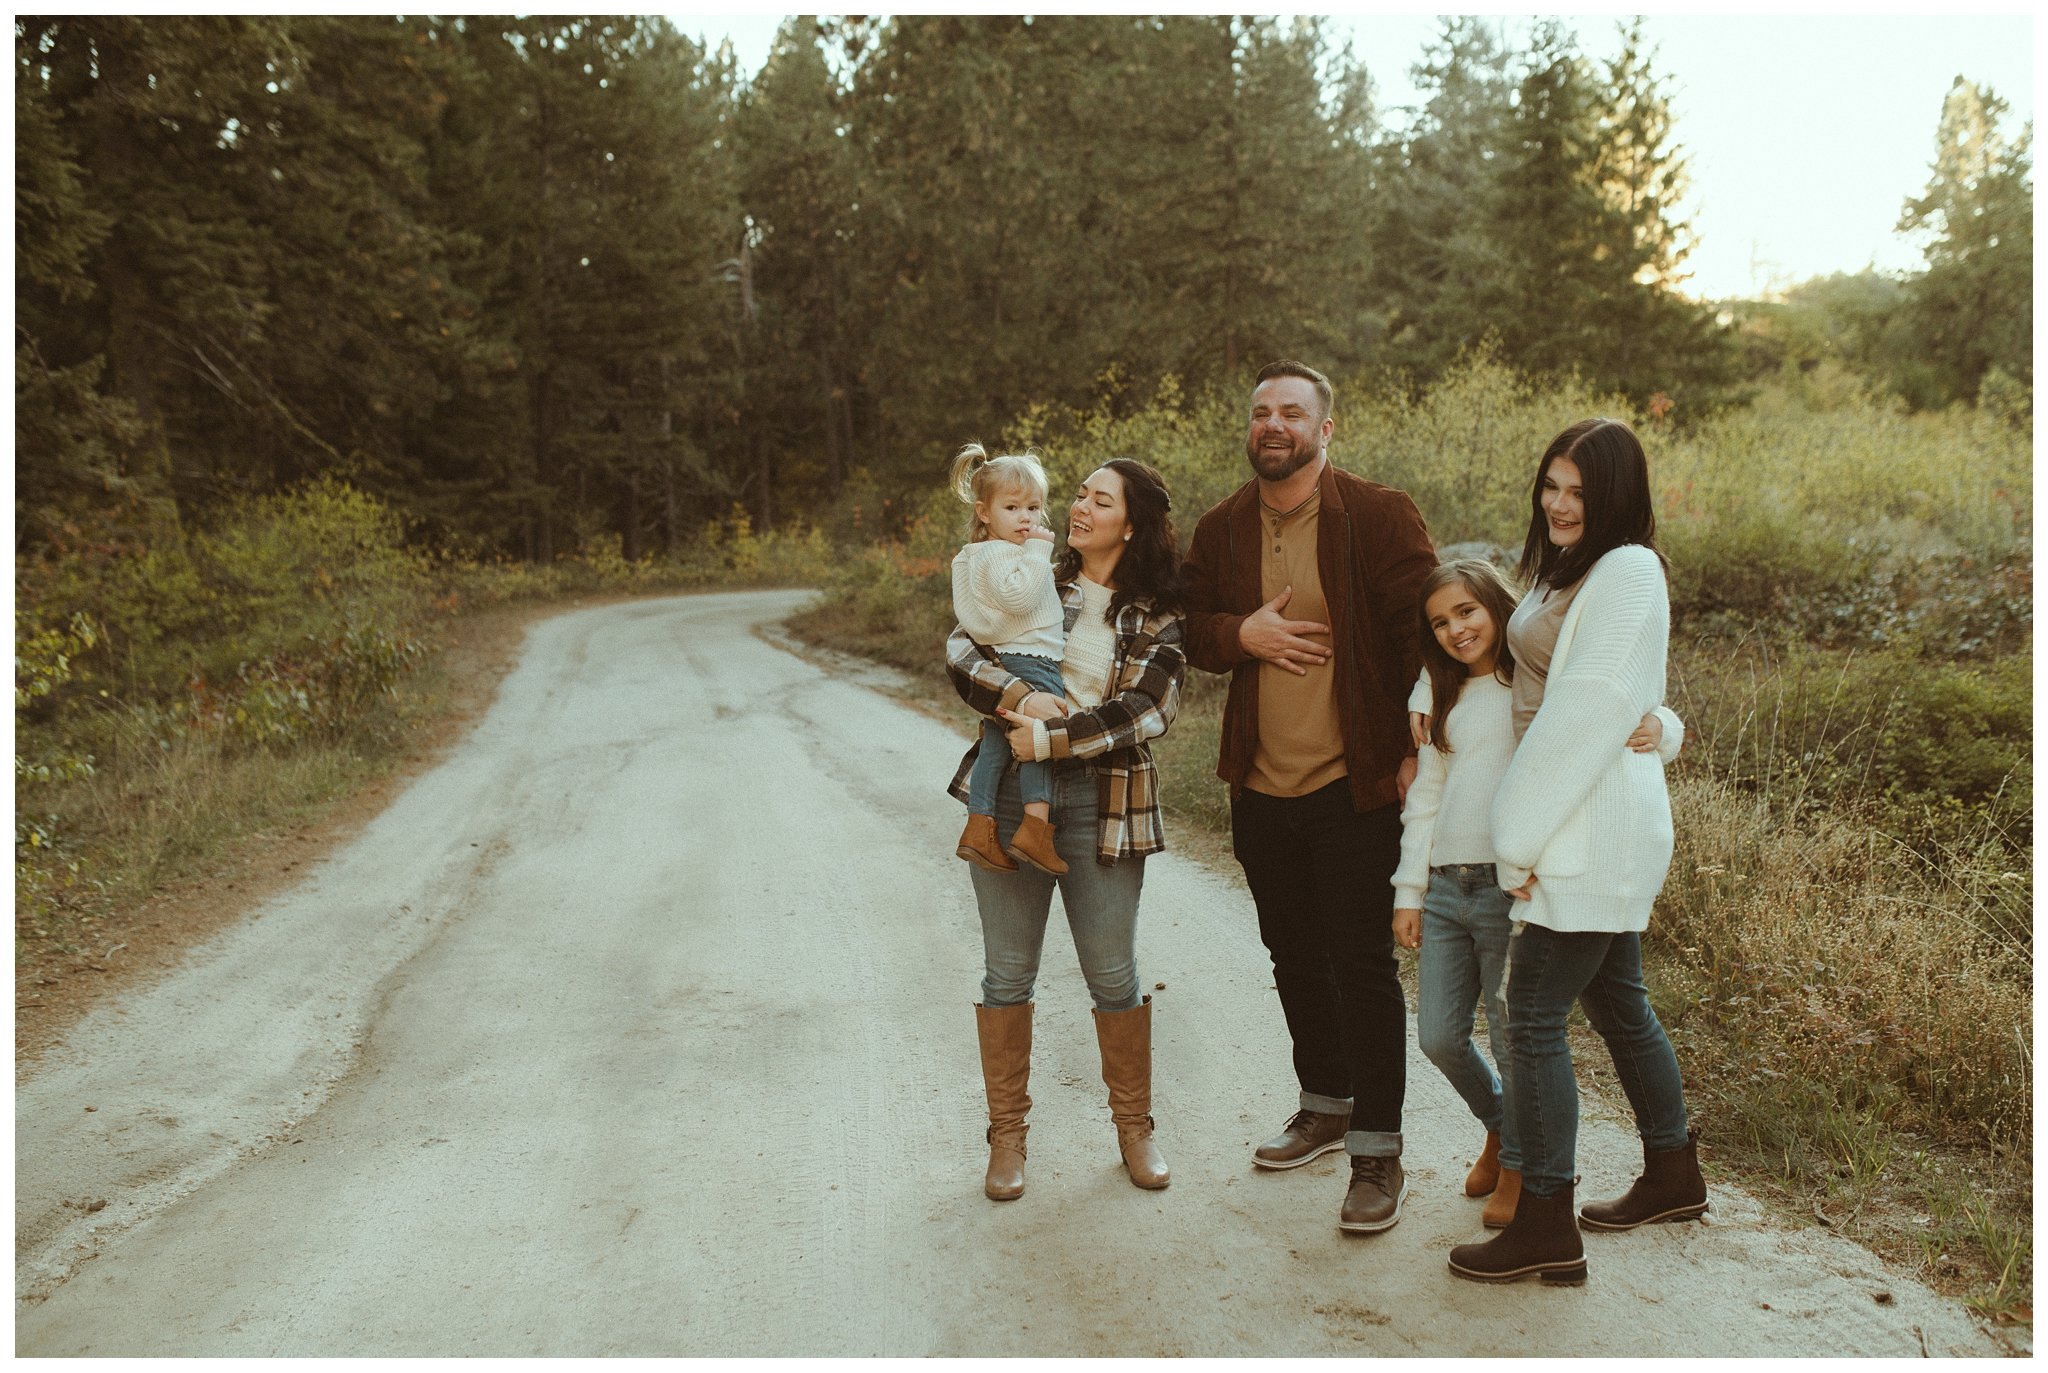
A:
[1373, 1143]
[1326, 1105]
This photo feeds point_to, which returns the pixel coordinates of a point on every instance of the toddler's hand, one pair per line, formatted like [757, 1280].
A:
[1649, 733]
[1408, 928]
[1037, 532]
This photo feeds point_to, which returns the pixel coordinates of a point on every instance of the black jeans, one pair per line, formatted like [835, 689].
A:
[1321, 875]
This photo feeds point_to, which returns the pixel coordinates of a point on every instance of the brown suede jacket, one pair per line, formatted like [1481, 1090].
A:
[1372, 551]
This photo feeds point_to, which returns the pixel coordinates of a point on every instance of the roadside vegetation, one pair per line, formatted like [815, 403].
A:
[175, 697]
[1844, 949]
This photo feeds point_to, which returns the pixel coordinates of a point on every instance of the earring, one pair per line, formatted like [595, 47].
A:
[1127, 536]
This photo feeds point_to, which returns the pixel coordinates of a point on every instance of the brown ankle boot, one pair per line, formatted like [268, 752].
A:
[978, 845]
[1032, 845]
[1500, 1207]
[1541, 1241]
[1486, 1169]
[1005, 1033]
[1125, 1038]
[1670, 1188]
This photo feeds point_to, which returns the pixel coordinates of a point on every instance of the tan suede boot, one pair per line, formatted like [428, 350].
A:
[1125, 1039]
[1500, 1207]
[1032, 844]
[1486, 1169]
[978, 845]
[1005, 1076]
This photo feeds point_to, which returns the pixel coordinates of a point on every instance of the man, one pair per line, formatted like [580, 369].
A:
[1303, 585]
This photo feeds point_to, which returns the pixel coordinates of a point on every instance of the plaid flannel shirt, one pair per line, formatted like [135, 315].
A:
[1147, 671]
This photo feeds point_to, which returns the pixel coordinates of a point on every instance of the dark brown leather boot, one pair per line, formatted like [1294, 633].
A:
[1670, 1188]
[1372, 1202]
[1308, 1136]
[978, 845]
[1005, 1033]
[1486, 1169]
[1542, 1241]
[1125, 1039]
[1032, 845]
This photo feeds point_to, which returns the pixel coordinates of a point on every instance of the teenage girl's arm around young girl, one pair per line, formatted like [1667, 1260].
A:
[1660, 732]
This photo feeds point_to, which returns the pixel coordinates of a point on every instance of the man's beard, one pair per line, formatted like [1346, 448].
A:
[1275, 467]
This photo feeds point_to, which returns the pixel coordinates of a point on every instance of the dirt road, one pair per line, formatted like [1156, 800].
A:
[642, 1026]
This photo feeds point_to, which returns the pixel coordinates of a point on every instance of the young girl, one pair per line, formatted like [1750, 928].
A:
[1003, 596]
[1446, 898]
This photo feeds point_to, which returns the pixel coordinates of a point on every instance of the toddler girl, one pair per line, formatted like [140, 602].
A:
[1003, 596]
[1447, 901]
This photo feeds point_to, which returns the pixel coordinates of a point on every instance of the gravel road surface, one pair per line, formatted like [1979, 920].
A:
[642, 1025]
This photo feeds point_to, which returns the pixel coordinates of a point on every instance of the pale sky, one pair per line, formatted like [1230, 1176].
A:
[1806, 134]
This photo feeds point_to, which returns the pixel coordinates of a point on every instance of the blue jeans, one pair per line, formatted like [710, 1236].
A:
[994, 758]
[1465, 929]
[1101, 902]
[1547, 972]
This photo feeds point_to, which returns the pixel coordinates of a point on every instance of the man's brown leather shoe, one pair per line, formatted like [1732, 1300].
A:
[1310, 1135]
[1373, 1201]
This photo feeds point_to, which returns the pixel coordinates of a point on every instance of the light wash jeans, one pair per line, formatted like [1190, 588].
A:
[1465, 929]
[993, 761]
[1547, 972]
[1101, 902]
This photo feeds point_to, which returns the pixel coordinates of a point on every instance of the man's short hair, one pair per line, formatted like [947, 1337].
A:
[1286, 367]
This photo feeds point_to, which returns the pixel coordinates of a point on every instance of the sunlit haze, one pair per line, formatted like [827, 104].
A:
[1805, 135]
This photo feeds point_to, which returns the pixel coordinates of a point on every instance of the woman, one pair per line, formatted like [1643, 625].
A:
[1122, 664]
[1582, 831]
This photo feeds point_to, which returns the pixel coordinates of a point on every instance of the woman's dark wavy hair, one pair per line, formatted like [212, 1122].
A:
[1150, 567]
[1616, 478]
[1447, 676]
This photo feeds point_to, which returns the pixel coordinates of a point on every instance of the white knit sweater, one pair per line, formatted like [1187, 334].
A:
[1587, 816]
[1447, 816]
[1003, 595]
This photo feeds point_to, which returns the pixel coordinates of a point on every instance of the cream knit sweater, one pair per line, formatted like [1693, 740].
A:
[1447, 816]
[1587, 816]
[1003, 595]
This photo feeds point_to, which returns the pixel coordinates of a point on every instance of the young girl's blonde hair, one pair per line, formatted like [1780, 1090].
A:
[979, 477]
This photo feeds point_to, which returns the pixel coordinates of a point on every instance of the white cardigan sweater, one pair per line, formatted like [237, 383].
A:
[1447, 816]
[1587, 816]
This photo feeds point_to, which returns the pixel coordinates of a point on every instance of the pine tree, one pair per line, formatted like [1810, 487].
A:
[1972, 308]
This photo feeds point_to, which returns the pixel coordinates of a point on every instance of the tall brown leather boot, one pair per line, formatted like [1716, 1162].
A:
[1125, 1038]
[1005, 1073]
[1670, 1188]
[1542, 1241]
[1486, 1169]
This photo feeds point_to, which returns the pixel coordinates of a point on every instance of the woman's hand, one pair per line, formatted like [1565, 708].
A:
[1418, 729]
[1023, 739]
[1648, 735]
[1524, 892]
[1041, 705]
[1408, 928]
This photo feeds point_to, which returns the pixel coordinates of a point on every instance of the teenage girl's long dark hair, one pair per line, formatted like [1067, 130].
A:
[1149, 570]
[1615, 477]
[1447, 676]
